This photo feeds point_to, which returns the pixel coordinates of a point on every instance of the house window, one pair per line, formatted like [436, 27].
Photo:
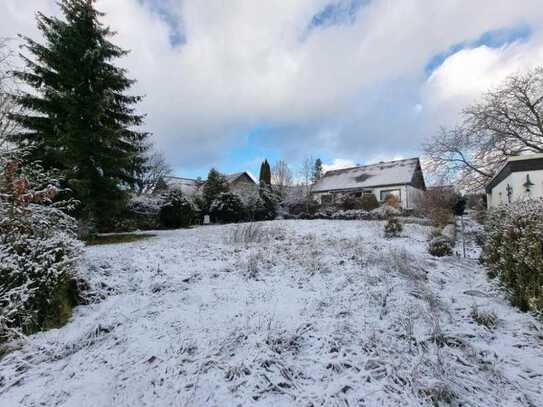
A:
[358, 195]
[393, 192]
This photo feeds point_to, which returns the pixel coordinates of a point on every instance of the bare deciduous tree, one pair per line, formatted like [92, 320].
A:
[155, 169]
[506, 122]
[7, 105]
[281, 177]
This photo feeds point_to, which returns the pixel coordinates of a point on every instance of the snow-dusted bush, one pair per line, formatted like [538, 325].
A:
[38, 255]
[392, 200]
[350, 202]
[440, 246]
[484, 318]
[255, 208]
[513, 251]
[437, 204]
[393, 228]
[369, 202]
[227, 208]
[142, 212]
[177, 211]
[386, 211]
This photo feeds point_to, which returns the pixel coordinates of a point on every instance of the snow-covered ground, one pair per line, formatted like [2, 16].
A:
[318, 313]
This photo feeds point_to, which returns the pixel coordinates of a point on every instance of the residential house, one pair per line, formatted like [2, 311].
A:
[518, 179]
[401, 178]
[241, 183]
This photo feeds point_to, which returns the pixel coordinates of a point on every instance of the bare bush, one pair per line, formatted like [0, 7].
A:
[437, 205]
[249, 233]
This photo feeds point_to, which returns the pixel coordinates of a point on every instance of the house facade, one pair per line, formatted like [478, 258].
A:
[401, 178]
[520, 178]
[242, 183]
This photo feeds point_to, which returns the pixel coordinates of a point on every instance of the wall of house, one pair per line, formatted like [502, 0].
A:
[516, 181]
[243, 186]
[408, 194]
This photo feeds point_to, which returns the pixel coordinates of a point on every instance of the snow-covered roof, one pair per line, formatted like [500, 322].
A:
[190, 186]
[233, 177]
[187, 186]
[398, 172]
[527, 162]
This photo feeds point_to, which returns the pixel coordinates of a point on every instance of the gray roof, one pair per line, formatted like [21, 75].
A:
[190, 186]
[233, 177]
[185, 185]
[398, 172]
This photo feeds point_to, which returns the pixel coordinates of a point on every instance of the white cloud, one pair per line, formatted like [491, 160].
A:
[351, 90]
[464, 76]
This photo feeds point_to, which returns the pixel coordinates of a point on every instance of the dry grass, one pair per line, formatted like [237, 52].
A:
[117, 238]
[249, 233]
[484, 318]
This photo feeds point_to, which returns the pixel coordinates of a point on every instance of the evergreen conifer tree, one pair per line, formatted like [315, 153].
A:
[214, 186]
[78, 117]
[317, 171]
[265, 174]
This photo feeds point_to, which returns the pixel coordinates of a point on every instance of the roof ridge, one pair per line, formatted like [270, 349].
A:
[371, 165]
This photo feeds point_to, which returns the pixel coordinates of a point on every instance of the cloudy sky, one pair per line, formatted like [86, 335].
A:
[230, 82]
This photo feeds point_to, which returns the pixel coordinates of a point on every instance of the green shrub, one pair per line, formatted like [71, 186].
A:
[177, 211]
[393, 228]
[369, 202]
[440, 246]
[513, 251]
[351, 202]
[38, 253]
[38, 286]
[227, 208]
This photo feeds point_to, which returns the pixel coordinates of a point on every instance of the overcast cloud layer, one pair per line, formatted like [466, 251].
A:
[347, 80]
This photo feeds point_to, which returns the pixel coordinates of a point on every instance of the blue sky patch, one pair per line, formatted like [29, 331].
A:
[162, 9]
[494, 39]
[339, 12]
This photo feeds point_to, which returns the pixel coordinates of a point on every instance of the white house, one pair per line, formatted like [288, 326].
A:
[402, 178]
[520, 178]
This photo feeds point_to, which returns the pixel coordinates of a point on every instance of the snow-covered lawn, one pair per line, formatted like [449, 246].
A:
[318, 313]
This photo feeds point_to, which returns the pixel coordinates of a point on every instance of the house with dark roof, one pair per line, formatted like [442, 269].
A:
[518, 179]
[240, 182]
[401, 178]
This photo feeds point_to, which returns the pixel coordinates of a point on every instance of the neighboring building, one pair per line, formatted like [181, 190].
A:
[187, 186]
[520, 178]
[240, 183]
[402, 178]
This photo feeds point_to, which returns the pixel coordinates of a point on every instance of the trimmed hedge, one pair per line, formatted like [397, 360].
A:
[513, 251]
[177, 211]
[227, 208]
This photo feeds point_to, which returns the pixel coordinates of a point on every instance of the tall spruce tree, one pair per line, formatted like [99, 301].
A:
[317, 170]
[78, 117]
[265, 174]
